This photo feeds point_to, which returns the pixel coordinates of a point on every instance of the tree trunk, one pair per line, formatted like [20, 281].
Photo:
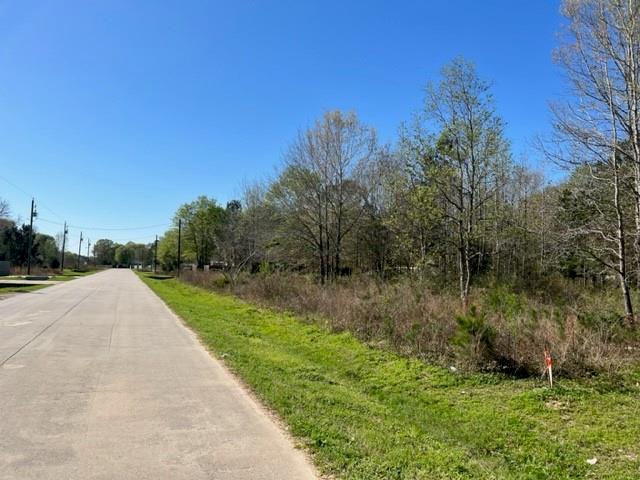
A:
[463, 267]
[622, 267]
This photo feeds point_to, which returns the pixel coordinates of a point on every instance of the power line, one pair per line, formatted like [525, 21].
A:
[81, 227]
[140, 239]
[15, 186]
[30, 195]
[146, 237]
[50, 221]
[146, 227]
[132, 239]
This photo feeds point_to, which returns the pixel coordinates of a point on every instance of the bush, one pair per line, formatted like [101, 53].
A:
[475, 336]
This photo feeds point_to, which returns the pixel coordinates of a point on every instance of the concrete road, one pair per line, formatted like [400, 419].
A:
[98, 380]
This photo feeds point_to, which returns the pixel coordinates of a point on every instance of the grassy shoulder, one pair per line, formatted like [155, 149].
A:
[366, 413]
[73, 274]
[66, 275]
[8, 289]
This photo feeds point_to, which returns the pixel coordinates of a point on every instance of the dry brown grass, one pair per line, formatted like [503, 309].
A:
[35, 270]
[503, 331]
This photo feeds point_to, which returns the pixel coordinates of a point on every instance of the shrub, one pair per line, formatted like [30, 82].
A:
[475, 336]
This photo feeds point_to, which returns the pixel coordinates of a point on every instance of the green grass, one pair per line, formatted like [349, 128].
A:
[365, 413]
[61, 277]
[68, 274]
[71, 274]
[20, 288]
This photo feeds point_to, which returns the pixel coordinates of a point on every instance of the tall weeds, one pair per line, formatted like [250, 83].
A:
[503, 331]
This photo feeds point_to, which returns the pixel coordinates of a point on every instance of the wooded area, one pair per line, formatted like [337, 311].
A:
[448, 202]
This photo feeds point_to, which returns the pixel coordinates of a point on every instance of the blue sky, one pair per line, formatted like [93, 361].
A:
[114, 112]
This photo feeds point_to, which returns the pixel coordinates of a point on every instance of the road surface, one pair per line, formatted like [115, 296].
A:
[99, 380]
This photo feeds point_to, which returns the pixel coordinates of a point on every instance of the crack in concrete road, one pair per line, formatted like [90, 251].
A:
[47, 327]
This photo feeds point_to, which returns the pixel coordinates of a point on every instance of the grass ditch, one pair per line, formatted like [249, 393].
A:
[368, 413]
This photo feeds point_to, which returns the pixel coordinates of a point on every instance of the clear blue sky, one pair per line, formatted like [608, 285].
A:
[112, 113]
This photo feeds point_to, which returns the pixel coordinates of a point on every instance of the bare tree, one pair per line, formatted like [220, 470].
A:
[4, 208]
[244, 232]
[599, 128]
[319, 192]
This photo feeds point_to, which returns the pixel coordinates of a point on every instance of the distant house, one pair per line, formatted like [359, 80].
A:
[217, 265]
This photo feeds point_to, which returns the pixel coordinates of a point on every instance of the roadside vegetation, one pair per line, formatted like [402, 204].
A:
[504, 331]
[364, 412]
[6, 289]
[70, 274]
[443, 246]
[58, 276]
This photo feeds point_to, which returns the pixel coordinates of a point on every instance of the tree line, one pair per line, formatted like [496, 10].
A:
[447, 201]
[14, 243]
[46, 250]
[108, 252]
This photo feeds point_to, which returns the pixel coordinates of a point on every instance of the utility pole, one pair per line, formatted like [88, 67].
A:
[179, 244]
[88, 246]
[155, 256]
[30, 242]
[79, 247]
[64, 240]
